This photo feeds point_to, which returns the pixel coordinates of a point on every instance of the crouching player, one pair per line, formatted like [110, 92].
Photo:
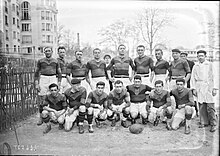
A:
[161, 105]
[138, 98]
[184, 106]
[118, 102]
[97, 99]
[54, 108]
[76, 97]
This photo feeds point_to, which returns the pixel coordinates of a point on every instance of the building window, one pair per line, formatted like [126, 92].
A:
[19, 49]
[17, 10]
[54, 17]
[15, 48]
[18, 23]
[14, 34]
[13, 7]
[26, 27]
[43, 38]
[18, 36]
[14, 21]
[7, 48]
[26, 39]
[6, 20]
[48, 25]
[42, 15]
[29, 49]
[6, 7]
[43, 26]
[49, 39]
[47, 15]
[25, 11]
[6, 35]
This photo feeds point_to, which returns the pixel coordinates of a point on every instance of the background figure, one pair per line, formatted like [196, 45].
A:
[203, 85]
[161, 68]
[47, 70]
[121, 65]
[107, 59]
[98, 71]
[63, 66]
[144, 66]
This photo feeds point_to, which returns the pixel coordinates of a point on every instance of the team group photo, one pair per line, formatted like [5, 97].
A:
[133, 87]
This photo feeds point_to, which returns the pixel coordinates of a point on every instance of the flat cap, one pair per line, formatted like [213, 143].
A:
[184, 52]
[75, 81]
[176, 50]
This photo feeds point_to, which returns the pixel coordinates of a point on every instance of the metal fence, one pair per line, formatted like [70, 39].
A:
[18, 98]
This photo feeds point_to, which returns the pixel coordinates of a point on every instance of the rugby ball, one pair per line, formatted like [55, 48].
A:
[136, 128]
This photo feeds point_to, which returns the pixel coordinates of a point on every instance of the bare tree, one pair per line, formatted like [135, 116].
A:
[60, 30]
[115, 34]
[151, 22]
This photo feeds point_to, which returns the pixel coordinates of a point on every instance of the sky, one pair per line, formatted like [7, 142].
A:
[88, 17]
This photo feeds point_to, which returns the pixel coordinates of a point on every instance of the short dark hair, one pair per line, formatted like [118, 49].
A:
[107, 55]
[180, 80]
[48, 48]
[184, 53]
[159, 50]
[121, 45]
[176, 50]
[61, 47]
[201, 51]
[158, 82]
[137, 77]
[78, 51]
[53, 85]
[118, 82]
[140, 46]
[100, 83]
[96, 49]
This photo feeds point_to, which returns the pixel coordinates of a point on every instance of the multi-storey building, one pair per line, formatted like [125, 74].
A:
[27, 26]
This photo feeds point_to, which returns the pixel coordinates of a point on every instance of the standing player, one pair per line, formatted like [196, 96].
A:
[161, 105]
[179, 68]
[161, 68]
[47, 69]
[63, 66]
[77, 70]
[54, 107]
[98, 70]
[118, 102]
[121, 65]
[97, 99]
[143, 65]
[76, 97]
[203, 85]
[138, 98]
[184, 106]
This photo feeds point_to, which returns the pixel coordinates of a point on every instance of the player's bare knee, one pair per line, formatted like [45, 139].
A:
[44, 114]
[134, 115]
[82, 108]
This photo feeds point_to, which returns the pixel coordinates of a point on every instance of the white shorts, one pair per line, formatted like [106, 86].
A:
[44, 83]
[53, 117]
[153, 114]
[146, 80]
[138, 108]
[64, 85]
[116, 108]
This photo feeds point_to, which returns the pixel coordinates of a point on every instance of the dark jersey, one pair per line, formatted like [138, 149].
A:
[138, 95]
[76, 98]
[142, 65]
[48, 67]
[63, 65]
[77, 69]
[98, 69]
[184, 97]
[121, 66]
[58, 103]
[95, 98]
[160, 99]
[118, 99]
[161, 67]
[179, 68]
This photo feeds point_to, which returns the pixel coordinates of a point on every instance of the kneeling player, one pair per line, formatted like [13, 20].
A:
[98, 100]
[76, 97]
[161, 105]
[184, 105]
[54, 107]
[118, 102]
[138, 98]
